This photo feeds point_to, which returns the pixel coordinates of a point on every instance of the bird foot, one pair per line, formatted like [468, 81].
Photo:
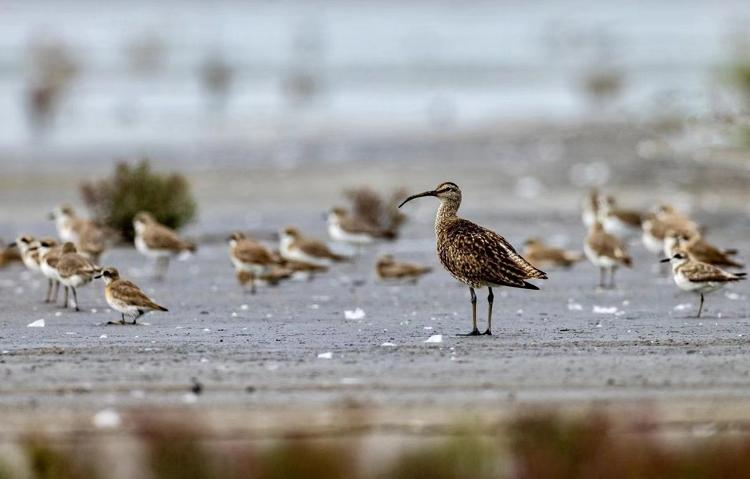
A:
[487, 333]
[474, 332]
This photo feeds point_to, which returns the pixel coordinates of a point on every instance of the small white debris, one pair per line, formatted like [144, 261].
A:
[244, 307]
[107, 419]
[605, 309]
[350, 381]
[314, 306]
[575, 307]
[190, 398]
[388, 345]
[626, 303]
[356, 314]
[94, 310]
[58, 314]
[326, 355]
[682, 307]
[519, 312]
[732, 296]
[428, 328]
[234, 314]
[598, 325]
[103, 336]
[39, 323]
[206, 330]
[204, 360]
[434, 339]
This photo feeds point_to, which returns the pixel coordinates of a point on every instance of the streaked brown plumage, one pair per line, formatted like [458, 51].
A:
[542, 255]
[606, 252]
[126, 297]
[388, 268]
[474, 255]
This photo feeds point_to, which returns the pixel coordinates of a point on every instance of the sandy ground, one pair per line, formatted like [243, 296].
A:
[257, 357]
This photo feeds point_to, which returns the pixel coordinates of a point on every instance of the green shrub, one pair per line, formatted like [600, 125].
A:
[114, 201]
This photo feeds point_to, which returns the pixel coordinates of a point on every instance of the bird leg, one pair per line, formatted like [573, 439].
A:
[53, 299]
[122, 321]
[700, 308]
[490, 299]
[162, 264]
[612, 277]
[48, 298]
[474, 331]
[75, 297]
[602, 277]
[252, 283]
[140, 313]
[65, 301]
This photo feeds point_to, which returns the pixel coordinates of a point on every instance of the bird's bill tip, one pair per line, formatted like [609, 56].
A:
[665, 260]
[420, 195]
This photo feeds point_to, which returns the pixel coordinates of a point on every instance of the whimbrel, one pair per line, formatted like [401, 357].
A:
[155, 240]
[700, 278]
[476, 256]
[126, 297]
[605, 251]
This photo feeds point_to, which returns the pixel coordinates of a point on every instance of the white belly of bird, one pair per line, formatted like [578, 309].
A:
[669, 244]
[49, 271]
[596, 259]
[30, 263]
[652, 243]
[588, 216]
[686, 285]
[339, 234]
[622, 230]
[254, 268]
[76, 280]
[295, 254]
[140, 245]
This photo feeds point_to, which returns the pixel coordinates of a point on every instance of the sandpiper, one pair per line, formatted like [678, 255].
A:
[542, 255]
[49, 254]
[699, 249]
[126, 297]
[475, 256]
[388, 268]
[605, 251]
[250, 259]
[155, 240]
[697, 277]
[86, 235]
[296, 247]
[74, 271]
[625, 224]
[348, 229]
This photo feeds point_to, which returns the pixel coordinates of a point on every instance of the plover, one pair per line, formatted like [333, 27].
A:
[699, 249]
[625, 224]
[388, 268]
[29, 249]
[697, 277]
[49, 254]
[605, 251]
[250, 259]
[10, 254]
[74, 270]
[296, 247]
[88, 238]
[378, 211]
[348, 229]
[542, 255]
[126, 297]
[475, 256]
[590, 211]
[155, 240]
[656, 227]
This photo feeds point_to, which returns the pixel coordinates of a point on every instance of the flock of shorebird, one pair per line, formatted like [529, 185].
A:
[472, 254]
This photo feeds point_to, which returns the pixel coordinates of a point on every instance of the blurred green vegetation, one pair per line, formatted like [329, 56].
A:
[132, 188]
[533, 446]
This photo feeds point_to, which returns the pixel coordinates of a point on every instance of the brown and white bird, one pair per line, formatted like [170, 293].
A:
[473, 255]
[126, 297]
[29, 249]
[623, 223]
[590, 211]
[154, 240]
[88, 238]
[388, 268]
[49, 255]
[251, 259]
[10, 254]
[74, 270]
[699, 249]
[657, 225]
[346, 228]
[294, 246]
[605, 251]
[697, 277]
[541, 255]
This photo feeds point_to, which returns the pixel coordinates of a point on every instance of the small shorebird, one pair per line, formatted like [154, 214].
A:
[388, 268]
[74, 271]
[49, 255]
[542, 255]
[251, 259]
[590, 211]
[10, 254]
[700, 278]
[296, 247]
[625, 224]
[88, 238]
[699, 249]
[657, 225]
[349, 229]
[475, 256]
[155, 240]
[28, 247]
[125, 297]
[605, 251]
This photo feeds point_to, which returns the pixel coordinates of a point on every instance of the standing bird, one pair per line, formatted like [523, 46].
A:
[475, 255]
[88, 238]
[155, 240]
[29, 249]
[349, 229]
[251, 259]
[388, 268]
[605, 251]
[698, 277]
[625, 224]
[126, 297]
[542, 255]
[590, 212]
[49, 255]
[10, 254]
[699, 249]
[296, 247]
[74, 271]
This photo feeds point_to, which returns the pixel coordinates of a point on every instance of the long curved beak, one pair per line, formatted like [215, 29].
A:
[665, 260]
[426, 193]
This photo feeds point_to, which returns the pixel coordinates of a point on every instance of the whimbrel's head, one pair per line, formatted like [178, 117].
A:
[445, 192]
[678, 258]
[108, 274]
